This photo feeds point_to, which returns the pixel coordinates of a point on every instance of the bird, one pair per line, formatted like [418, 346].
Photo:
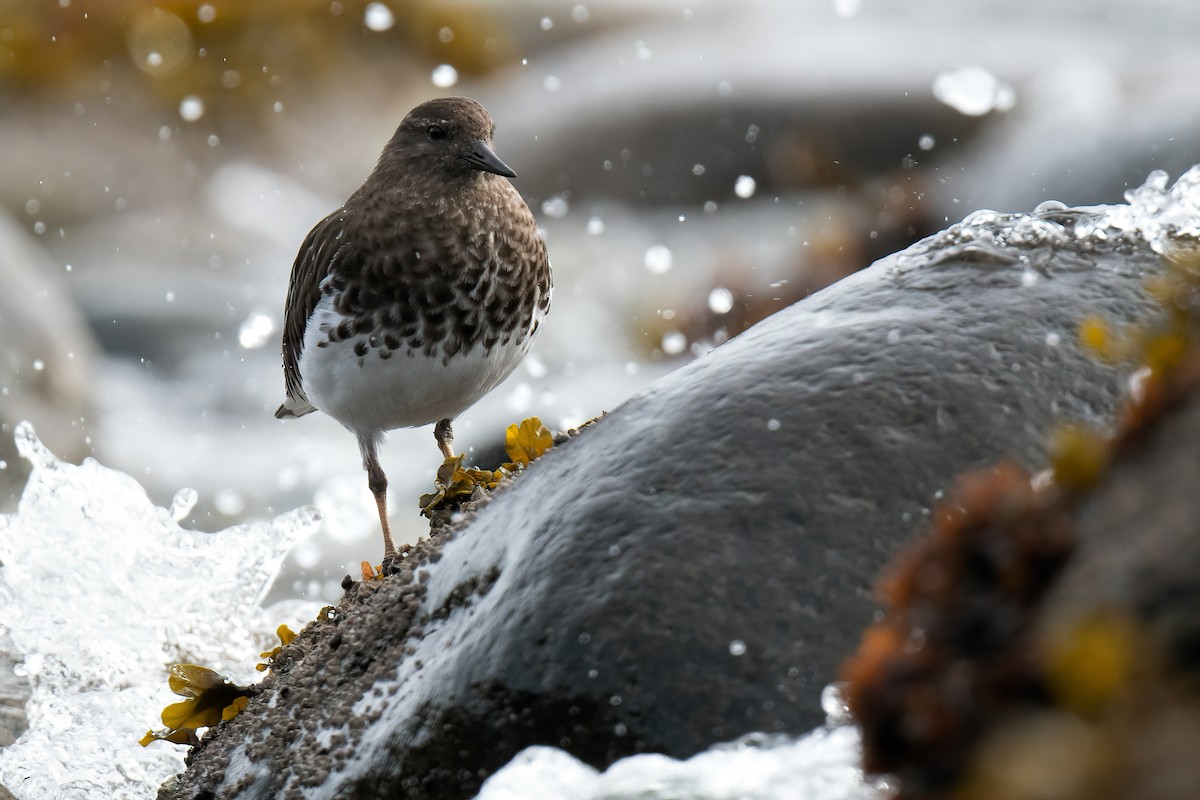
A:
[420, 294]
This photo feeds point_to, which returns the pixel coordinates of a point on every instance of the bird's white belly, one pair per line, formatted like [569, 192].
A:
[372, 394]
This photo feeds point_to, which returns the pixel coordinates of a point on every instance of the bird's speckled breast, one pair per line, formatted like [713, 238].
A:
[422, 315]
[463, 271]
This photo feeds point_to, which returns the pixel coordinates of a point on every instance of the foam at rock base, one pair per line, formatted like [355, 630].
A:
[823, 764]
[101, 591]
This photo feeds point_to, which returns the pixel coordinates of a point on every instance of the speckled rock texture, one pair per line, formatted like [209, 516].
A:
[695, 565]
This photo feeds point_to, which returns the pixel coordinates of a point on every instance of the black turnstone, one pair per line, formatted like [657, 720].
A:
[420, 294]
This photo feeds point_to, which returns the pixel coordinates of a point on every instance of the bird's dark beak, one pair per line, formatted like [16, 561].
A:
[483, 158]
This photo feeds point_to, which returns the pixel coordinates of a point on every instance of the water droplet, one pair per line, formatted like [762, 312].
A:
[720, 300]
[255, 330]
[737, 647]
[580, 13]
[833, 703]
[745, 186]
[378, 17]
[973, 91]
[535, 366]
[773, 424]
[446, 35]
[38, 364]
[32, 206]
[547, 23]
[229, 502]
[191, 108]
[595, 226]
[160, 43]
[1052, 339]
[444, 76]
[307, 554]
[926, 142]
[674, 343]
[520, 398]
[658, 259]
[183, 503]
[1029, 277]
[556, 207]
[846, 8]
[206, 13]
[697, 169]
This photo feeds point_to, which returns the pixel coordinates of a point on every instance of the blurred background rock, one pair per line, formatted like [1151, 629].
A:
[696, 166]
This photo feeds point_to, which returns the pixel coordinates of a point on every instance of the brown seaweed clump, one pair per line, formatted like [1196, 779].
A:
[1040, 642]
[953, 651]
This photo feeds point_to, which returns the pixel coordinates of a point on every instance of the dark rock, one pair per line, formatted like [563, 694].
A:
[1042, 640]
[695, 565]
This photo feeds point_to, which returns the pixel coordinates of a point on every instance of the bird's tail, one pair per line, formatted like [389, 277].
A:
[293, 407]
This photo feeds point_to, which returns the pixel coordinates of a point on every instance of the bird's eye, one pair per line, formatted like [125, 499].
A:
[435, 132]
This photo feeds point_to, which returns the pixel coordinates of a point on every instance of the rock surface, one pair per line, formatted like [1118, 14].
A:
[1041, 640]
[695, 565]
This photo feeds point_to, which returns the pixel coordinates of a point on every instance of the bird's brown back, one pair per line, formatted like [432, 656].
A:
[416, 263]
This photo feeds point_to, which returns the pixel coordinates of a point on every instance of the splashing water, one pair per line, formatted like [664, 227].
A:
[100, 591]
[823, 764]
[1157, 214]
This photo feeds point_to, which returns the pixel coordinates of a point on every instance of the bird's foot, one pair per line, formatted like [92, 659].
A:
[454, 483]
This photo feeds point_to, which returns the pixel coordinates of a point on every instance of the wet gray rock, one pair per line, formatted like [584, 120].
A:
[695, 565]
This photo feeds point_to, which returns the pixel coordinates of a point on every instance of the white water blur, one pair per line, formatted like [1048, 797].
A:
[101, 591]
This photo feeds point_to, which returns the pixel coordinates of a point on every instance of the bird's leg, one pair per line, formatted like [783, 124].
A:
[444, 435]
[377, 481]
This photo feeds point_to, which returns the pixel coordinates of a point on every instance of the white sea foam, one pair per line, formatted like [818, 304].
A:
[101, 591]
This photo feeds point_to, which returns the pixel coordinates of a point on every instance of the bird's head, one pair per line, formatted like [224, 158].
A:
[451, 136]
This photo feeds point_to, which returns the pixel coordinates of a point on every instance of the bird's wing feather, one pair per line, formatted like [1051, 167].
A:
[325, 245]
